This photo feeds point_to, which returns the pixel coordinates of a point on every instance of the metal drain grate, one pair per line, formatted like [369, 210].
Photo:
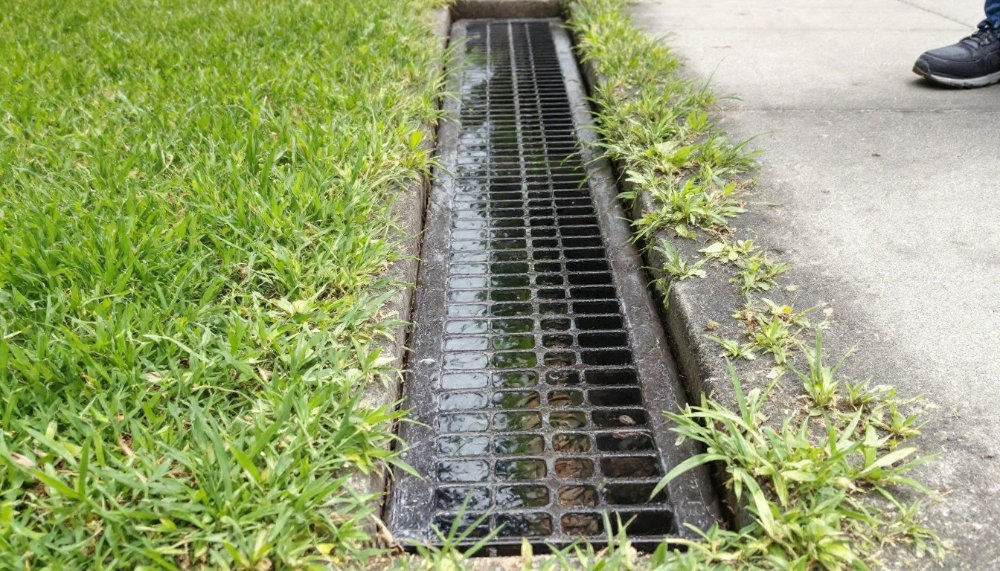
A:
[539, 394]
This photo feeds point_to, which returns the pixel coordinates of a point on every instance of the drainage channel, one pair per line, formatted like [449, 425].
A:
[539, 370]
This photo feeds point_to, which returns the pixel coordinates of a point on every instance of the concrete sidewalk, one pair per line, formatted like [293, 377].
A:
[881, 190]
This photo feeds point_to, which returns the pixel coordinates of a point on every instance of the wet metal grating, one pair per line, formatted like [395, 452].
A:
[535, 409]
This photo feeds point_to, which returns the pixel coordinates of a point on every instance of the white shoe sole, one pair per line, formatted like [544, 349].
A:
[981, 81]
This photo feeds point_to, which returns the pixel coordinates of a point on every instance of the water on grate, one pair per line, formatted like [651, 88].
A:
[537, 417]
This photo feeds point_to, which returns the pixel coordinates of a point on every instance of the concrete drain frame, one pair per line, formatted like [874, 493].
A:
[539, 369]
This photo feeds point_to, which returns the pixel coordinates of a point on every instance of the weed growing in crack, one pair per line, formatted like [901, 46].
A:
[772, 335]
[862, 393]
[774, 329]
[734, 349]
[755, 270]
[757, 273]
[820, 382]
[676, 267]
[893, 420]
[729, 251]
[692, 204]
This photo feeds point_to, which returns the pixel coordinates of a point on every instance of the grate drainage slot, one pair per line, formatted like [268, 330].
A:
[539, 368]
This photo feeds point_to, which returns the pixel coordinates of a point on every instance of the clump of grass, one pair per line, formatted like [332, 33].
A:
[734, 349]
[655, 126]
[807, 486]
[678, 267]
[773, 328]
[685, 205]
[755, 269]
[195, 202]
[820, 382]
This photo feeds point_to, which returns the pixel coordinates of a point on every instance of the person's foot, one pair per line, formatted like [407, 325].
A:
[972, 62]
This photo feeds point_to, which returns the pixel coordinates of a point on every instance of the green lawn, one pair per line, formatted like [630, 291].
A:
[193, 225]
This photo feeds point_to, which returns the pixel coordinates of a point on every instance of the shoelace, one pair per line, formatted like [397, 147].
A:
[984, 36]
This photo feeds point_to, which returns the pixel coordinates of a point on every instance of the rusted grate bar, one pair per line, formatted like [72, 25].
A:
[539, 372]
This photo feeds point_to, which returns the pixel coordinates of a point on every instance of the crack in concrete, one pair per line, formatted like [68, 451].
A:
[934, 12]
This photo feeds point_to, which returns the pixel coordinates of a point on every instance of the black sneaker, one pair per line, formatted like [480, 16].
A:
[972, 62]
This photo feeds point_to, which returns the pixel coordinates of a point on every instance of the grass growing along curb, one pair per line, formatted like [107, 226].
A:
[195, 201]
[826, 487]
